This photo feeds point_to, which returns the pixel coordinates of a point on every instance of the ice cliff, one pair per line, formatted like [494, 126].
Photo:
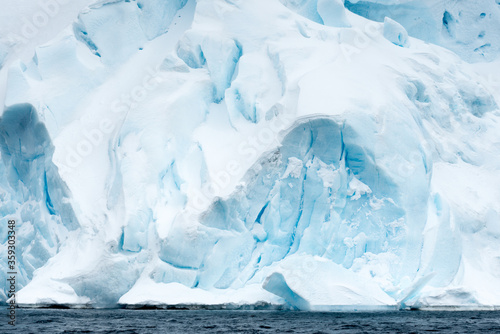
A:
[316, 154]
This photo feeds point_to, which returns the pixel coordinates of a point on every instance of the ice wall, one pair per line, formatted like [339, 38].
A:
[470, 29]
[32, 191]
[114, 30]
[286, 152]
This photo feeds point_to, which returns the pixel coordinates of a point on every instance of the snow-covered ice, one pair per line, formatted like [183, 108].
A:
[395, 32]
[314, 154]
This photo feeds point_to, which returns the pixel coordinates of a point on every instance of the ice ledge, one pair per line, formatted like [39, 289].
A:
[148, 292]
[263, 306]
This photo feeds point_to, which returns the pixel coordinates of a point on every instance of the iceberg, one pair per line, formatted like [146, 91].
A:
[315, 155]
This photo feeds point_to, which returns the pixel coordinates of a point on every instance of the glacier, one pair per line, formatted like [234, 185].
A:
[313, 154]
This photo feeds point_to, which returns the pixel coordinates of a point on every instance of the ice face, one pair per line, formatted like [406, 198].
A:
[319, 193]
[156, 15]
[276, 284]
[27, 153]
[32, 190]
[291, 152]
[332, 13]
[114, 30]
[307, 8]
[469, 29]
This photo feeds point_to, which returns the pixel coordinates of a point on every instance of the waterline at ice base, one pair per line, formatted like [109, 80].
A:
[320, 155]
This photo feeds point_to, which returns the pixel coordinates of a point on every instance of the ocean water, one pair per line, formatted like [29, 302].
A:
[223, 321]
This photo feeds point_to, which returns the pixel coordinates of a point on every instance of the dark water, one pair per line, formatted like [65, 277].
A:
[179, 321]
